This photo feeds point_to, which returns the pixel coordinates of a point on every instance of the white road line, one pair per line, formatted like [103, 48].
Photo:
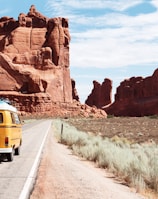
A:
[27, 186]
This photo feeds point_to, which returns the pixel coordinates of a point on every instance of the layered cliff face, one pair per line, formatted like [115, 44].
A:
[136, 96]
[34, 66]
[34, 57]
[101, 94]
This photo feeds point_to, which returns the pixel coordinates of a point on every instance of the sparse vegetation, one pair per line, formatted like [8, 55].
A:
[136, 164]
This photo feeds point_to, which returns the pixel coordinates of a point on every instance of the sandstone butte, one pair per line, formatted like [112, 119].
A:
[35, 68]
[136, 96]
[101, 94]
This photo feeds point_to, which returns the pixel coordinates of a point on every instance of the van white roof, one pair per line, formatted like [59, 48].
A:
[6, 106]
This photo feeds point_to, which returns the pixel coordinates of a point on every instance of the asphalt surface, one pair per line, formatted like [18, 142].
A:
[17, 177]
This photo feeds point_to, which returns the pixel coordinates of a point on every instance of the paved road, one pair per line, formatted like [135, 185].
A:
[16, 177]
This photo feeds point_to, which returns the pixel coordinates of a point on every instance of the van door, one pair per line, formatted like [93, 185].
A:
[2, 131]
[16, 131]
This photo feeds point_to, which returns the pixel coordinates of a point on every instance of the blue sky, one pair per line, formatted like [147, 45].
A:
[114, 39]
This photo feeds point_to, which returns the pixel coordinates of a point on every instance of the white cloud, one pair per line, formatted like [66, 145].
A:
[4, 11]
[115, 47]
[118, 5]
[112, 55]
[155, 3]
[72, 8]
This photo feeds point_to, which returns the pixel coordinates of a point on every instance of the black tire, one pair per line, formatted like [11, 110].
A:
[17, 151]
[10, 156]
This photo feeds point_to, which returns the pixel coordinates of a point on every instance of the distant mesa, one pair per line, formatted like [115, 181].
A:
[136, 96]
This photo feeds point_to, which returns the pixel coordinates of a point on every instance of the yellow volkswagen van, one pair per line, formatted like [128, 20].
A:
[10, 131]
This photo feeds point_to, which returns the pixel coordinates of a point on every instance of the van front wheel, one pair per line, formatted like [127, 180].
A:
[17, 151]
[10, 156]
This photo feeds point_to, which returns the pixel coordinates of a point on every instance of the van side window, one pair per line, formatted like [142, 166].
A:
[15, 118]
[1, 118]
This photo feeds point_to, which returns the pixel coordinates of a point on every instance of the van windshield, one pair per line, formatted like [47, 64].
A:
[1, 118]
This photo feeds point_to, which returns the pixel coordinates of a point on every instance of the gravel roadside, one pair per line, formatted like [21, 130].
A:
[62, 175]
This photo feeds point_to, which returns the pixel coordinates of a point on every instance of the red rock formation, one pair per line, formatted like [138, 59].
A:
[74, 90]
[34, 65]
[34, 56]
[101, 94]
[136, 96]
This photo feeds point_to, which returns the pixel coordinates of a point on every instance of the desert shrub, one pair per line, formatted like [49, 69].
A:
[152, 177]
[136, 164]
[121, 141]
[89, 152]
[110, 116]
[138, 182]
[153, 116]
[69, 136]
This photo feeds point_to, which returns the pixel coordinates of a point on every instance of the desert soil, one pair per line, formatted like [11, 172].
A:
[134, 129]
[62, 175]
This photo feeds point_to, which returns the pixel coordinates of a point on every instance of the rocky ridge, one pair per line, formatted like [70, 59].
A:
[136, 96]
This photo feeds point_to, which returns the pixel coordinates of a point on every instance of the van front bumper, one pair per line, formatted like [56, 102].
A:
[6, 150]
